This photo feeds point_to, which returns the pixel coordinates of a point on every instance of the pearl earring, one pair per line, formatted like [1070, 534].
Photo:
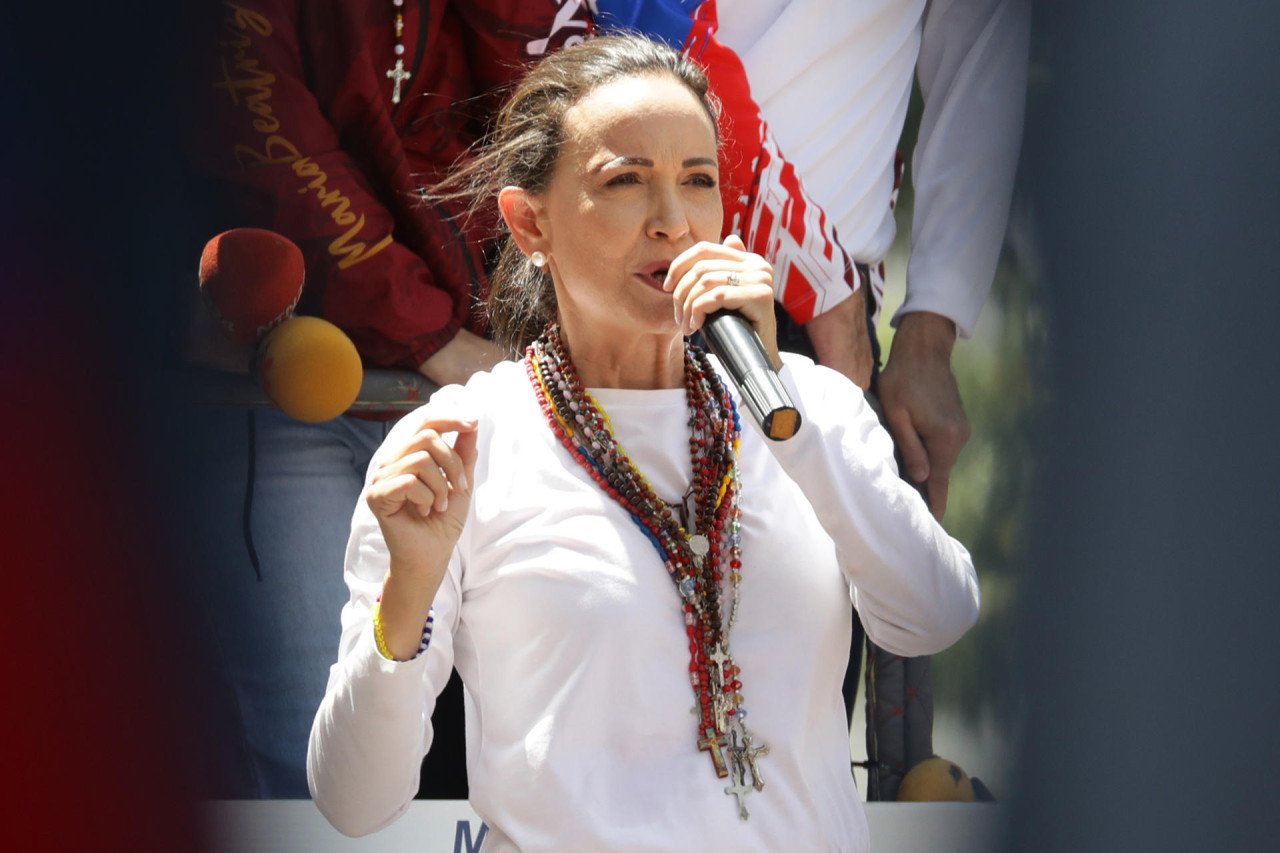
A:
[538, 259]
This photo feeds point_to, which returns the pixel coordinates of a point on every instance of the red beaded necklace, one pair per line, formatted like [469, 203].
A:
[698, 558]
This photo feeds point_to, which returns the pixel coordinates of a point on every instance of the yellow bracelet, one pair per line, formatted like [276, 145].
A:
[382, 641]
[377, 632]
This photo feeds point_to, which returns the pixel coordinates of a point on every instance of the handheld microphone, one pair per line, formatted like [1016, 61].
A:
[729, 335]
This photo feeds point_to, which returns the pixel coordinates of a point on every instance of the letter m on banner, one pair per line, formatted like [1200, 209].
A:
[462, 840]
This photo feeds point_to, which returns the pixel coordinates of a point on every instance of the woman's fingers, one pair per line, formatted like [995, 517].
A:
[436, 466]
[708, 277]
[434, 469]
[429, 448]
[429, 431]
[731, 251]
[747, 291]
[425, 470]
[707, 266]
[465, 448]
[403, 491]
[748, 298]
[714, 286]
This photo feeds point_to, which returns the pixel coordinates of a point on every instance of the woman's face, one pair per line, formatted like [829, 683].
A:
[636, 183]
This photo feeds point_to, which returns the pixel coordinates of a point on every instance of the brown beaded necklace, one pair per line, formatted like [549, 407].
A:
[697, 558]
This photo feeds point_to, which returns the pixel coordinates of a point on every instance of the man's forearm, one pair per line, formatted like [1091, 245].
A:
[842, 341]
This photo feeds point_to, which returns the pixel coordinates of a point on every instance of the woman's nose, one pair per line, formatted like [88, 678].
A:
[668, 219]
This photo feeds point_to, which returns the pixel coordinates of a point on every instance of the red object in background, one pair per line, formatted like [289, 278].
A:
[251, 278]
[98, 716]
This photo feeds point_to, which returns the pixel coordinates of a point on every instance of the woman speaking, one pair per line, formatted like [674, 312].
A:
[647, 600]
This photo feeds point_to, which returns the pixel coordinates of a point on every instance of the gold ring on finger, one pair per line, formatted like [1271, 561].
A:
[733, 279]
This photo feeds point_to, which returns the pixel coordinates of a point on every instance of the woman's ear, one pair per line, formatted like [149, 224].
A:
[520, 210]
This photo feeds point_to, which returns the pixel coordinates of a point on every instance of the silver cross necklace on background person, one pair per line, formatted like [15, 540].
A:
[397, 74]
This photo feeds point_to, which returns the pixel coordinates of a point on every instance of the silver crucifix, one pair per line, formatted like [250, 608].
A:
[399, 75]
[749, 754]
[739, 788]
[720, 707]
[719, 657]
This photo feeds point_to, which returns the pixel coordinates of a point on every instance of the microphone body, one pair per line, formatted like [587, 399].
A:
[730, 336]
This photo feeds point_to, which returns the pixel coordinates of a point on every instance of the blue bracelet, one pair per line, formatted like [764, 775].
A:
[426, 632]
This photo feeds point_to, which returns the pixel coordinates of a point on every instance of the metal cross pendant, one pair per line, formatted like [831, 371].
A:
[718, 657]
[720, 707]
[714, 743]
[399, 75]
[749, 754]
[739, 789]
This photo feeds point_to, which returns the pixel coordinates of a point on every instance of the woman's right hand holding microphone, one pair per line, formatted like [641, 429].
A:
[420, 495]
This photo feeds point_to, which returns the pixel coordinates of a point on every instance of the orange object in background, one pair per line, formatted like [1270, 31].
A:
[936, 780]
[310, 369]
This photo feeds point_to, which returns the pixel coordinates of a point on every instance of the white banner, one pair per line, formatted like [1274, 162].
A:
[448, 826]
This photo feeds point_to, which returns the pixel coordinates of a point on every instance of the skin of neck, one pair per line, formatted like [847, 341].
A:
[646, 361]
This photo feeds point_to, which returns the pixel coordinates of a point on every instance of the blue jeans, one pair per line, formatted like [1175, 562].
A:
[267, 547]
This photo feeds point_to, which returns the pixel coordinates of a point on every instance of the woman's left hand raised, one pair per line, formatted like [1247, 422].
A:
[709, 276]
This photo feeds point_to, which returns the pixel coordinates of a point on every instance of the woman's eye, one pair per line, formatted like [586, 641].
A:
[623, 179]
[702, 180]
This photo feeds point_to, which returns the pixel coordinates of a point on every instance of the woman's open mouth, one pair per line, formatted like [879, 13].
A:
[655, 274]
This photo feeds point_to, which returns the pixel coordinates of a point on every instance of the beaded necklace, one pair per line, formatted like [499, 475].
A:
[397, 74]
[699, 558]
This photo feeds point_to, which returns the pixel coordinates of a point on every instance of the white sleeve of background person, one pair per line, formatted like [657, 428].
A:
[833, 79]
[374, 725]
[973, 76]
[914, 585]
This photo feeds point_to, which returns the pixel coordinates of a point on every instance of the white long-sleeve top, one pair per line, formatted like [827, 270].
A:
[833, 80]
[569, 635]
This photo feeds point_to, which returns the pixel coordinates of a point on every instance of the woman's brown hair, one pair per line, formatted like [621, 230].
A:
[522, 150]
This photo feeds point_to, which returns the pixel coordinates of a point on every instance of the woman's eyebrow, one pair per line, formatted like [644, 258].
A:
[644, 161]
